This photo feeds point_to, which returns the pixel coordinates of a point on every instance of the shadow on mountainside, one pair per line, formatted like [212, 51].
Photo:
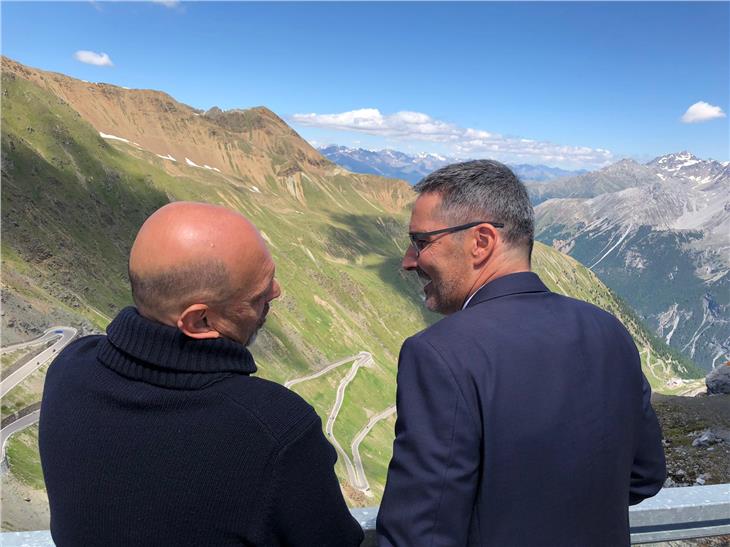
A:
[368, 235]
[76, 228]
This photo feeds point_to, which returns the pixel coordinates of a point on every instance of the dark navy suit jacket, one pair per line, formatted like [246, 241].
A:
[523, 420]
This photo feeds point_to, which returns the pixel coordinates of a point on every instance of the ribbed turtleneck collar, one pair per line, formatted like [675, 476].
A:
[143, 350]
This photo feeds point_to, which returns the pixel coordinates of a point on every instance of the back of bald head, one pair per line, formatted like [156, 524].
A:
[187, 253]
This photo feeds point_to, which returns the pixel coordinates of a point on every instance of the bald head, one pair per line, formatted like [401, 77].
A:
[196, 254]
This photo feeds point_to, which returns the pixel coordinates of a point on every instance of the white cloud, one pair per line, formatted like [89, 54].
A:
[93, 58]
[702, 112]
[462, 142]
[167, 3]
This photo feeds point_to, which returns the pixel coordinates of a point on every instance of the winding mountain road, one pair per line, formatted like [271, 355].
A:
[17, 425]
[363, 359]
[355, 473]
[49, 334]
[355, 447]
[324, 371]
[65, 335]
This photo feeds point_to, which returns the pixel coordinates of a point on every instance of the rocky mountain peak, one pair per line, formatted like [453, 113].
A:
[685, 165]
[622, 166]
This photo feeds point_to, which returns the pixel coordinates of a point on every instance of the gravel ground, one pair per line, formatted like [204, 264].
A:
[23, 507]
[684, 420]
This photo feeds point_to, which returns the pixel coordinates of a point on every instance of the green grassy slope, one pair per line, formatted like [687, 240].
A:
[72, 203]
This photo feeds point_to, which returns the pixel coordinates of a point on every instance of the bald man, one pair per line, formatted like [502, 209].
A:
[157, 434]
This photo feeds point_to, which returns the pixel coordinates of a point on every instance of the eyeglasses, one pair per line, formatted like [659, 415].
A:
[419, 241]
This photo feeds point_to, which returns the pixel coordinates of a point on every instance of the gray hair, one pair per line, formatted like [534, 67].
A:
[206, 281]
[484, 190]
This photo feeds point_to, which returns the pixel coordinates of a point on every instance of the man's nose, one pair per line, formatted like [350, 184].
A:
[276, 290]
[410, 259]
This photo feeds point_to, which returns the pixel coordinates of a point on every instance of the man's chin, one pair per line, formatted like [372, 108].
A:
[431, 303]
[255, 334]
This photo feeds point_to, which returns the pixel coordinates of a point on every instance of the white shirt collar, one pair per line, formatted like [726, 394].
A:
[472, 296]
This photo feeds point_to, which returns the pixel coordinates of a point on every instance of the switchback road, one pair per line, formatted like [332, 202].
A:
[364, 359]
[66, 334]
[17, 425]
[325, 370]
[355, 474]
[355, 447]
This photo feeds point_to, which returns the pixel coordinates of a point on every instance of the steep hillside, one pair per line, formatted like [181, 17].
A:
[82, 169]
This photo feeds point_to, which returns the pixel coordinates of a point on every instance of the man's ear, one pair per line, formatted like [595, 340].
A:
[485, 241]
[193, 322]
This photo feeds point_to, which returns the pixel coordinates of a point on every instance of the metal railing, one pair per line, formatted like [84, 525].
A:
[673, 514]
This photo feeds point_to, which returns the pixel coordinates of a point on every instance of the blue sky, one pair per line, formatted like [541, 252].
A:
[574, 85]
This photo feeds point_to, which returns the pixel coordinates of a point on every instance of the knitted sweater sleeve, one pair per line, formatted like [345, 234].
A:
[307, 507]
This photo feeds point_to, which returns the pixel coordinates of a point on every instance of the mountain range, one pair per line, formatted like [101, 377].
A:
[83, 164]
[659, 235]
[395, 164]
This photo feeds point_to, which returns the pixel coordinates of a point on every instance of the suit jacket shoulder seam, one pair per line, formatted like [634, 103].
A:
[456, 383]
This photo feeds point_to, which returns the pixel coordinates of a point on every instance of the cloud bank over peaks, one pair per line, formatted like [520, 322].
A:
[702, 112]
[93, 58]
[460, 141]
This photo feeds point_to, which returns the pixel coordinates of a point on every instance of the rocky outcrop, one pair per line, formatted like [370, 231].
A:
[718, 381]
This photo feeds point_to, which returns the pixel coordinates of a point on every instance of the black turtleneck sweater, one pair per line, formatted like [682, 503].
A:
[148, 437]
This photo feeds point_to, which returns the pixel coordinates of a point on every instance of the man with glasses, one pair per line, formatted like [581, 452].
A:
[523, 416]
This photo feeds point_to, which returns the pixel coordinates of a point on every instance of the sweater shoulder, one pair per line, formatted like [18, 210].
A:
[78, 352]
[281, 411]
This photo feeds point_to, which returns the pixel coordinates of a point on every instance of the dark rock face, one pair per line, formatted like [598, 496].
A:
[718, 381]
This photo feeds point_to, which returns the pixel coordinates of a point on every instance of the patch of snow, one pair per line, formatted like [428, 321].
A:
[256, 190]
[112, 137]
[168, 157]
[191, 163]
[688, 163]
[124, 87]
